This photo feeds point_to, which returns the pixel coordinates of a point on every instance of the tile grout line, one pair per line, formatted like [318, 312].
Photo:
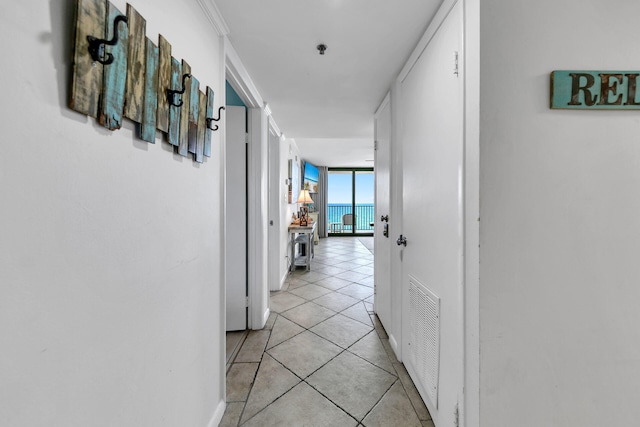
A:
[372, 325]
[254, 376]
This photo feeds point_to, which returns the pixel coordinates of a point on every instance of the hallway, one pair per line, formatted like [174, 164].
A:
[323, 358]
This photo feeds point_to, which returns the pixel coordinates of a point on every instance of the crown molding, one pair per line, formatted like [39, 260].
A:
[212, 12]
[274, 127]
[383, 104]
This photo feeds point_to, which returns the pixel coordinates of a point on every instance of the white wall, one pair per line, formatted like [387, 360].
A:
[560, 220]
[289, 151]
[111, 308]
[470, 410]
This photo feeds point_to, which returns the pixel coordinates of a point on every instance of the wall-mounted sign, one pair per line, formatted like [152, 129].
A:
[595, 90]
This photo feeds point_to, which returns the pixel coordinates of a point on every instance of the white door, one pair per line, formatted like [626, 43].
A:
[432, 150]
[382, 242]
[236, 218]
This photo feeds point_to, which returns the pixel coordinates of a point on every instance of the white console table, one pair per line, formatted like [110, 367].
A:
[306, 231]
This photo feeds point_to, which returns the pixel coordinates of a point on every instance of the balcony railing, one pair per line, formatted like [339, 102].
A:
[364, 217]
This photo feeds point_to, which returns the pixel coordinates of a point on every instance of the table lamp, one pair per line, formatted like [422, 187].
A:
[304, 198]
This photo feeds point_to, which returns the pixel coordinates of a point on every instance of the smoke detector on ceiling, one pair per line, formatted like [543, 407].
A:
[321, 48]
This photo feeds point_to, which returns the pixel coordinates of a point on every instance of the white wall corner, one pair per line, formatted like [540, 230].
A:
[217, 414]
[267, 313]
[283, 279]
[394, 346]
[212, 12]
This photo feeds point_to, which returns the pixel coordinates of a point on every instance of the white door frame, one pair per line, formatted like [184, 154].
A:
[395, 226]
[257, 274]
[235, 224]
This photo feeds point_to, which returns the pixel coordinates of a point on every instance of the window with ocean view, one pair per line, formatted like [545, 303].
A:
[350, 199]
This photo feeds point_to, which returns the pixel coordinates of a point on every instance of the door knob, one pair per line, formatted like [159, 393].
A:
[401, 240]
[384, 218]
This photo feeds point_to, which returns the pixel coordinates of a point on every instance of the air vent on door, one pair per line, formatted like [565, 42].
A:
[424, 342]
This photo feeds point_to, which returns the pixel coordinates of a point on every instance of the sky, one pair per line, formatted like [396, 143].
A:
[339, 188]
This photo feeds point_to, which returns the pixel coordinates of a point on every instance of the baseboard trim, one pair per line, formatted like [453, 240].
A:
[218, 414]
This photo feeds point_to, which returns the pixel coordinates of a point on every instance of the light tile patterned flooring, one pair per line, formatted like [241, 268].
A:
[323, 358]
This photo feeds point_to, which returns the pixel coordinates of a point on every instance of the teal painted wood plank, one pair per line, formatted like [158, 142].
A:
[86, 83]
[194, 108]
[202, 114]
[136, 64]
[207, 133]
[115, 74]
[164, 82]
[148, 125]
[595, 90]
[174, 112]
[183, 148]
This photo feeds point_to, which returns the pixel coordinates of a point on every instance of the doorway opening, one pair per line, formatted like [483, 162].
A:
[350, 202]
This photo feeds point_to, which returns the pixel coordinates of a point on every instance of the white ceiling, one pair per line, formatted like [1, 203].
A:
[326, 102]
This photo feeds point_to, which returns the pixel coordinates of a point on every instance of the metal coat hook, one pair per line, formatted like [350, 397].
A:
[171, 94]
[212, 119]
[96, 45]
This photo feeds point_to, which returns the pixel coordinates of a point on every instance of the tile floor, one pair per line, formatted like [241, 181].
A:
[323, 359]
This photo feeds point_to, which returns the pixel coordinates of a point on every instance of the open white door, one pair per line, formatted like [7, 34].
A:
[432, 274]
[236, 218]
[382, 239]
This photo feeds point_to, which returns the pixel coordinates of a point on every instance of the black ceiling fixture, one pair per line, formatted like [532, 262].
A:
[321, 48]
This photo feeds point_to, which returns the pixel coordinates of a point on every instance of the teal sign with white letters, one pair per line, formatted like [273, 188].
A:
[595, 90]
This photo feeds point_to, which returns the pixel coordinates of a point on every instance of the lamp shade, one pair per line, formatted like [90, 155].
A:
[304, 197]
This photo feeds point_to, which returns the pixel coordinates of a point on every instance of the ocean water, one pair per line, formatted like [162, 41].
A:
[364, 214]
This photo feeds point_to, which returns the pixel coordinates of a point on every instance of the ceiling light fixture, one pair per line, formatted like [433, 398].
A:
[321, 48]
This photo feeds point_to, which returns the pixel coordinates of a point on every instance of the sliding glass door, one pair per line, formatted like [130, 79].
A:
[350, 207]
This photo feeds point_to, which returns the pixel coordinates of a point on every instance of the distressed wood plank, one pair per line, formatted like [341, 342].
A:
[174, 112]
[87, 76]
[148, 125]
[136, 64]
[193, 137]
[209, 114]
[202, 127]
[194, 107]
[164, 82]
[183, 148]
[115, 74]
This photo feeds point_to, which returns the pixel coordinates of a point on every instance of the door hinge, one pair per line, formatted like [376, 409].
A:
[375, 145]
[246, 138]
[246, 302]
[455, 60]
